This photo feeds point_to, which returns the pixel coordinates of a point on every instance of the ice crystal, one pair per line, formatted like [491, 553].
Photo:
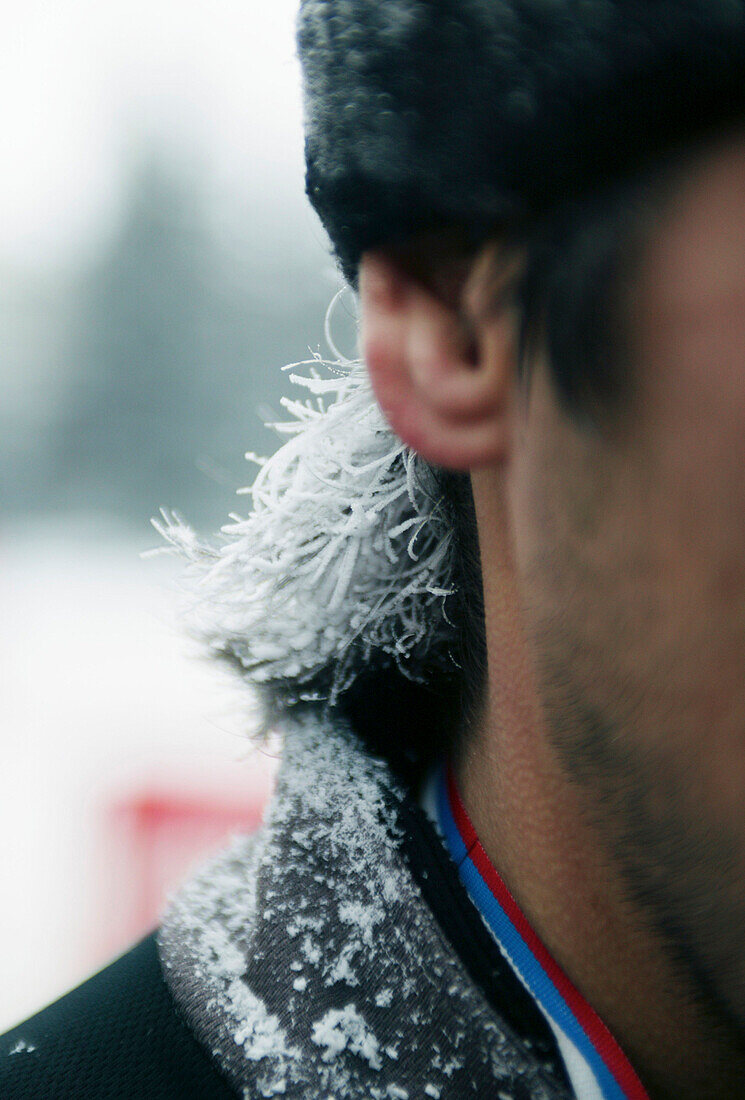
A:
[22, 1047]
[346, 1027]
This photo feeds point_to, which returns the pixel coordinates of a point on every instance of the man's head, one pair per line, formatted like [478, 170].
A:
[548, 129]
[557, 294]
[619, 537]
[575, 345]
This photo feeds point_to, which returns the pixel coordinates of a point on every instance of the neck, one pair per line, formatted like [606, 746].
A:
[536, 830]
[547, 841]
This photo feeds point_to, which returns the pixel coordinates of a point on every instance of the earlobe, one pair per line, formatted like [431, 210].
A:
[443, 379]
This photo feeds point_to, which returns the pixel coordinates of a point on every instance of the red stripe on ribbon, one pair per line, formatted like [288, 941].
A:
[588, 1019]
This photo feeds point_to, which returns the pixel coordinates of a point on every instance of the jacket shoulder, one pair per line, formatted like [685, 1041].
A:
[118, 1036]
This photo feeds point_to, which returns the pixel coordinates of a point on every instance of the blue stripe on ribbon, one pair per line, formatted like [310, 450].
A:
[514, 946]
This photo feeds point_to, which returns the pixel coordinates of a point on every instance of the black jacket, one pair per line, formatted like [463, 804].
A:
[334, 954]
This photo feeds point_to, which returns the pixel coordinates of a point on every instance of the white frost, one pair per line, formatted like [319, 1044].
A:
[363, 917]
[22, 1047]
[343, 1028]
[259, 1034]
[311, 951]
[347, 542]
[341, 969]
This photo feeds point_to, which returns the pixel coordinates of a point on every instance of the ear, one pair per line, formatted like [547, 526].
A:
[442, 375]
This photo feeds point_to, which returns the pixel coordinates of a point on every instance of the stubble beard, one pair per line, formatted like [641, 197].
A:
[683, 868]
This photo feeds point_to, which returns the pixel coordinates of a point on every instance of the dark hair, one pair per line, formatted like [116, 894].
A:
[571, 298]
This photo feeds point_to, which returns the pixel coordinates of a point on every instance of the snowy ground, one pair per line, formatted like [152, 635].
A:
[101, 701]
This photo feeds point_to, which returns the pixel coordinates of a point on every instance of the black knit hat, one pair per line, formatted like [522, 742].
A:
[488, 113]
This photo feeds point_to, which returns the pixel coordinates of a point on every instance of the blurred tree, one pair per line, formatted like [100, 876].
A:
[178, 342]
[35, 311]
[145, 394]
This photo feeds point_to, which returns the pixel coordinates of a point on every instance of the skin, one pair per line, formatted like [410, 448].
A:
[606, 777]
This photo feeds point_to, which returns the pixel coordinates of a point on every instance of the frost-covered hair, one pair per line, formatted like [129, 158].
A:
[346, 564]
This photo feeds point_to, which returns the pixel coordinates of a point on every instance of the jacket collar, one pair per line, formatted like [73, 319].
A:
[307, 961]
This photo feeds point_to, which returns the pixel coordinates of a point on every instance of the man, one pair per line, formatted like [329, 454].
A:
[506, 856]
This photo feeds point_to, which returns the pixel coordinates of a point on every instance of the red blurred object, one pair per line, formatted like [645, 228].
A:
[153, 839]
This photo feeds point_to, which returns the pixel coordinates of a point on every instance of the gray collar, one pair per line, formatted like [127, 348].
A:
[307, 962]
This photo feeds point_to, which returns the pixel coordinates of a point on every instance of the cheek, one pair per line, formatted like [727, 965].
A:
[691, 450]
[688, 321]
[632, 570]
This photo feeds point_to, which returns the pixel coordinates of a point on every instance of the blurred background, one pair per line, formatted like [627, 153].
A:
[159, 265]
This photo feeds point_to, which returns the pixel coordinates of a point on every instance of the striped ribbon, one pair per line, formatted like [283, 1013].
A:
[560, 1001]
